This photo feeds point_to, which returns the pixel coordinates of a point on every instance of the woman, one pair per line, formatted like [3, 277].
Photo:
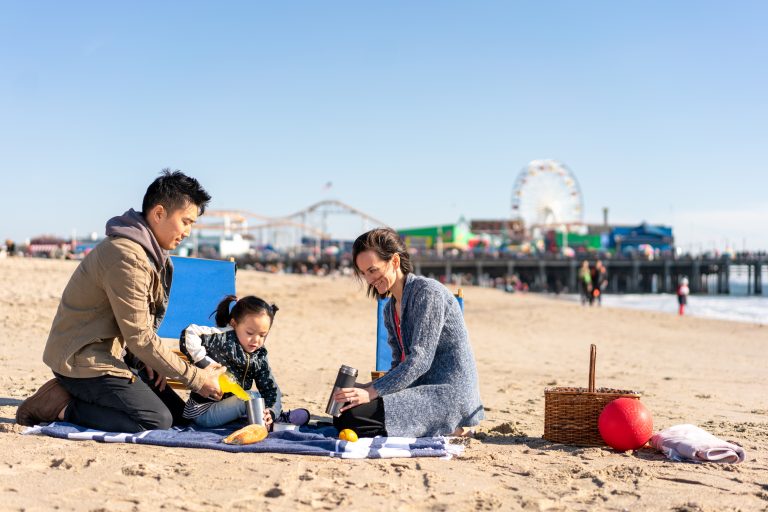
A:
[682, 295]
[585, 280]
[432, 387]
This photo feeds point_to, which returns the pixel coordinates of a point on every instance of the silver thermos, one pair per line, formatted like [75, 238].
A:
[344, 379]
[255, 408]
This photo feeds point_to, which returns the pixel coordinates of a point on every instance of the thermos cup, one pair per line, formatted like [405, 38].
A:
[344, 379]
[255, 408]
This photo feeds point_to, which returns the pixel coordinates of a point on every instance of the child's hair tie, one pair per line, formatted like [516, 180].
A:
[232, 305]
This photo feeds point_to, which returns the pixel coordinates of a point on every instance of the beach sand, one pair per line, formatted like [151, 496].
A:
[689, 370]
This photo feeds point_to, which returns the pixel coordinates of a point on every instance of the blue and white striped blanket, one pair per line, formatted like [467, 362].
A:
[307, 441]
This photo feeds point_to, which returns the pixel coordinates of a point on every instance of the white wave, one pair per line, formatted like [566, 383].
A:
[740, 309]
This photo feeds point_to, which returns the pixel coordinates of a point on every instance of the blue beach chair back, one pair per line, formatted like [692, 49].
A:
[383, 350]
[197, 288]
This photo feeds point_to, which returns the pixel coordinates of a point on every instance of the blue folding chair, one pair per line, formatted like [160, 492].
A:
[383, 350]
[197, 288]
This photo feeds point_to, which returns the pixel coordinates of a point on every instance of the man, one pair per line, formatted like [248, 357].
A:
[107, 320]
[599, 282]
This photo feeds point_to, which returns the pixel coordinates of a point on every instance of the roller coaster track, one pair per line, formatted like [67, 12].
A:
[237, 220]
[345, 208]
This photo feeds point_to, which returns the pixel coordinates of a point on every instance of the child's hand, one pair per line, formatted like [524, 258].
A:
[268, 419]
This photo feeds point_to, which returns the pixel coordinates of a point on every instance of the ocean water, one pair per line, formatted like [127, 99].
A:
[752, 309]
[738, 306]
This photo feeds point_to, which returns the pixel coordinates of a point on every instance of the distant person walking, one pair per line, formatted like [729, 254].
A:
[682, 295]
[585, 283]
[599, 281]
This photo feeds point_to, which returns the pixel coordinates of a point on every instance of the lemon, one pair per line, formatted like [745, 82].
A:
[348, 435]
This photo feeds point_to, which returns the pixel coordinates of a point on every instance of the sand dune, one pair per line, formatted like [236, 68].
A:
[711, 373]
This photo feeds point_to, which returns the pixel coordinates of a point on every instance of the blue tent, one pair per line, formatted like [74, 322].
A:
[629, 238]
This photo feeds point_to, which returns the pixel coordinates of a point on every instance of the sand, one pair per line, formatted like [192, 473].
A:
[689, 370]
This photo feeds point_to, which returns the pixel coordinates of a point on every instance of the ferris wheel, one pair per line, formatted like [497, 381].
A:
[546, 193]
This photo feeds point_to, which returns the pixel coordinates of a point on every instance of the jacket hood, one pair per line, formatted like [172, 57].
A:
[131, 225]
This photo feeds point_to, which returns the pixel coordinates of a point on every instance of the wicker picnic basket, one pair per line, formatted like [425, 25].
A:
[570, 414]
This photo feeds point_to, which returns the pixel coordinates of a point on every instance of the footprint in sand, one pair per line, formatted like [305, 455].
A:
[487, 502]
[274, 492]
[327, 498]
[378, 488]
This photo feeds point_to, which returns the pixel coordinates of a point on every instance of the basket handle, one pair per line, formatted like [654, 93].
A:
[592, 358]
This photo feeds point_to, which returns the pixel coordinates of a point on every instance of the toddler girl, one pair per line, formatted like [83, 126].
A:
[238, 344]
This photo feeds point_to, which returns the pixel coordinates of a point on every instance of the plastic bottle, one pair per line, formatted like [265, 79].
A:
[228, 384]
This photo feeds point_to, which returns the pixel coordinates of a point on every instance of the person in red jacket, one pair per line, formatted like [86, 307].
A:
[682, 295]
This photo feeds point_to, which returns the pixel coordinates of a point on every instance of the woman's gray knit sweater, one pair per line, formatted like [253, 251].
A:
[435, 390]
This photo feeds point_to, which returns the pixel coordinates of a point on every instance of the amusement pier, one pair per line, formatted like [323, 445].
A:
[538, 247]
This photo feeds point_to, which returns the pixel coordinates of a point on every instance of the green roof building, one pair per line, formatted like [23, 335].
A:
[450, 235]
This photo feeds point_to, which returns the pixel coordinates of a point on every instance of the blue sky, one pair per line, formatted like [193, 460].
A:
[417, 112]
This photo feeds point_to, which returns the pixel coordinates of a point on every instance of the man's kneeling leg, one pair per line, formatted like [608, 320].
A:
[114, 404]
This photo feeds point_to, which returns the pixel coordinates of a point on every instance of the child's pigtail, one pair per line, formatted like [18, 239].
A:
[232, 308]
[224, 310]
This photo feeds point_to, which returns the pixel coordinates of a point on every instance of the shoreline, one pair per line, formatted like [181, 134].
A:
[734, 308]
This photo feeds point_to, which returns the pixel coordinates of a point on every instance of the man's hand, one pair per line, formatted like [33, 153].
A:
[160, 382]
[210, 388]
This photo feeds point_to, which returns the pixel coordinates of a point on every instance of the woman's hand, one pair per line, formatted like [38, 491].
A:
[352, 397]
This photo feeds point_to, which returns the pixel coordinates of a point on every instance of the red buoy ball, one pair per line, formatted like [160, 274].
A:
[625, 424]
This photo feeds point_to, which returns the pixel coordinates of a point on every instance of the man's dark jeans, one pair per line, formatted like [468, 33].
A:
[117, 404]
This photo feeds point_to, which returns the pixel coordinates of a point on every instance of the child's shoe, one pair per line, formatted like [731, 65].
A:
[298, 417]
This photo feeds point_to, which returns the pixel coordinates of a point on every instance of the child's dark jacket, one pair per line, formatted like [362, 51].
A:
[204, 345]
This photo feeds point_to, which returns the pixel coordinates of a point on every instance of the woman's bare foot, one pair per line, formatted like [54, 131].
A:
[463, 432]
